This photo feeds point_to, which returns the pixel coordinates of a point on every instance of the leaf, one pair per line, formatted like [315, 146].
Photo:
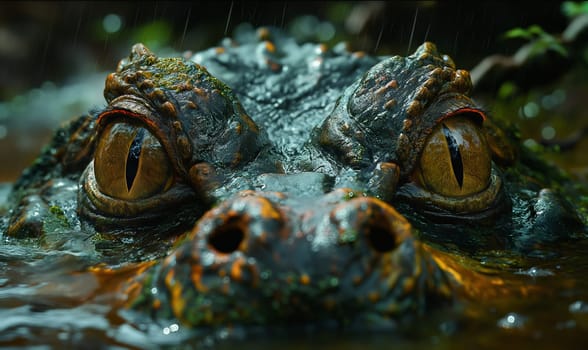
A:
[573, 9]
[541, 41]
[536, 30]
[518, 33]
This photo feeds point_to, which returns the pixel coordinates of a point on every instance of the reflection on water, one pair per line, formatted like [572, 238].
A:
[47, 299]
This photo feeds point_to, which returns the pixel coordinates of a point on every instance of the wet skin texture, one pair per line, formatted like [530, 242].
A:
[265, 182]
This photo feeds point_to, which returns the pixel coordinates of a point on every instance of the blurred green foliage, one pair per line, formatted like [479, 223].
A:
[573, 9]
[155, 34]
[541, 41]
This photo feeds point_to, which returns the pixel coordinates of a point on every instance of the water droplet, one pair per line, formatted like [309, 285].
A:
[578, 307]
[535, 272]
[548, 133]
[530, 143]
[197, 58]
[111, 23]
[548, 102]
[316, 63]
[154, 290]
[530, 110]
[512, 321]
[174, 327]
[223, 334]
[207, 258]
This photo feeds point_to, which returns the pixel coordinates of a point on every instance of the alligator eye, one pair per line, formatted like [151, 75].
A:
[130, 163]
[456, 161]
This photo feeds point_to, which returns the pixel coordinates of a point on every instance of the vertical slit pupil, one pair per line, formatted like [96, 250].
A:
[455, 155]
[133, 158]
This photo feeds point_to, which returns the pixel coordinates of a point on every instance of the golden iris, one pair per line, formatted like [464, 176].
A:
[130, 163]
[456, 161]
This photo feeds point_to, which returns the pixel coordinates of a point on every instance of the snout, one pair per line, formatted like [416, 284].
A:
[263, 258]
[384, 273]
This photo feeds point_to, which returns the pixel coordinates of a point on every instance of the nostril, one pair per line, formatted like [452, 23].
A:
[380, 235]
[369, 220]
[228, 237]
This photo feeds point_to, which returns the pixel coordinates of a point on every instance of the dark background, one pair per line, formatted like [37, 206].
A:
[53, 40]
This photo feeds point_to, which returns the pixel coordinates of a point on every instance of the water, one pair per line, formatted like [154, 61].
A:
[47, 300]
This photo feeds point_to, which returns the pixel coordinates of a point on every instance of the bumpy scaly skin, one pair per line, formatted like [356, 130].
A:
[196, 116]
[284, 238]
[388, 114]
[197, 119]
[263, 258]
